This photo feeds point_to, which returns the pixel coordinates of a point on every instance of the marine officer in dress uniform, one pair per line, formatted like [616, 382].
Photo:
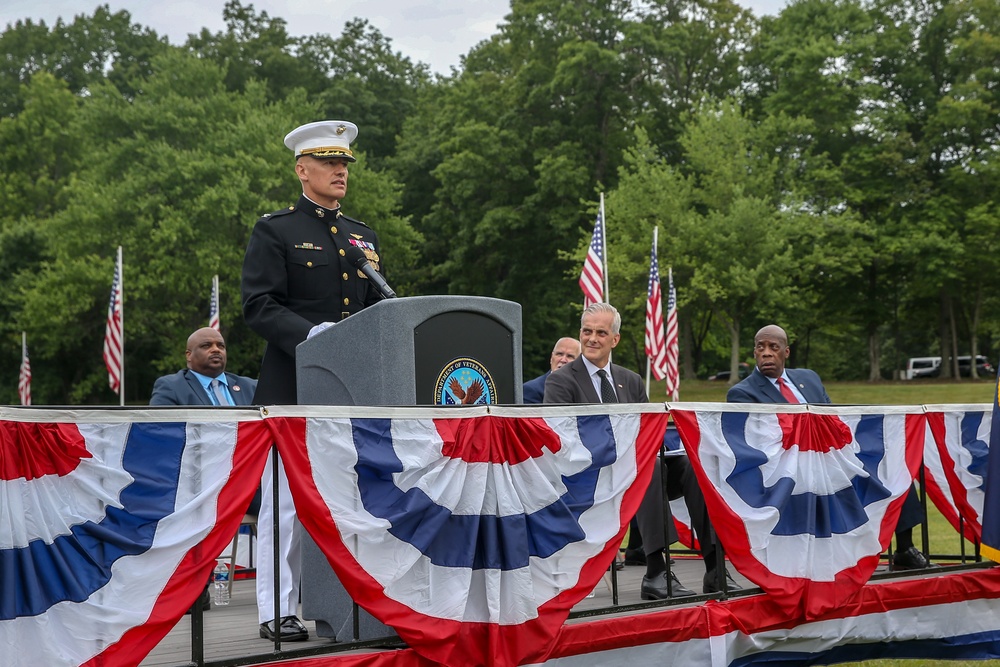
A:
[297, 281]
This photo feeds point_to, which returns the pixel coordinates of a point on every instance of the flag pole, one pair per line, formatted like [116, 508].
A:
[24, 379]
[604, 251]
[121, 287]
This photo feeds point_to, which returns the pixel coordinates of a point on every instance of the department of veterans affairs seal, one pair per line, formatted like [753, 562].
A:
[464, 381]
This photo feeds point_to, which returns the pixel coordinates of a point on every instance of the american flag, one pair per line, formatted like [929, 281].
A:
[114, 334]
[592, 276]
[656, 348]
[24, 379]
[213, 312]
[673, 347]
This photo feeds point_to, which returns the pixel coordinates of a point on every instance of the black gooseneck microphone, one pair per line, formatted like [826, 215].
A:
[356, 256]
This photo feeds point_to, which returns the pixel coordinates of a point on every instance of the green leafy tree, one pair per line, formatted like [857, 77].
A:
[515, 149]
[82, 53]
[356, 76]
[177, 177]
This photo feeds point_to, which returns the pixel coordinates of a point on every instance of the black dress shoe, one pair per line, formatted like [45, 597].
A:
[292, 630]
[656, 588]
[910, 559]
[205, 600]
[711, 585]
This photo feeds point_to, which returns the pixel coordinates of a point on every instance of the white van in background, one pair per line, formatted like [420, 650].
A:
[922, 367]
[930, 367]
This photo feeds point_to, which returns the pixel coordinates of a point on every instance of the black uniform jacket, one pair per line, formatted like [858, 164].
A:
[295, 276]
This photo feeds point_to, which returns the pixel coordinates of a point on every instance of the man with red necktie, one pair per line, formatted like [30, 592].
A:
[771, 382]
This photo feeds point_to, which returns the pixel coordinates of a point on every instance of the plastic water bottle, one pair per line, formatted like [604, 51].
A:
[220, 582]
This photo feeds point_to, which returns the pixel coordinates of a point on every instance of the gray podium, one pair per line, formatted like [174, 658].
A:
[408, 351]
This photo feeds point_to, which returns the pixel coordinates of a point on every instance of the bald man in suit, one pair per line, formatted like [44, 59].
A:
[564, 351]
[770, 348]
[772, 382]
[206, 361]
[580, 381]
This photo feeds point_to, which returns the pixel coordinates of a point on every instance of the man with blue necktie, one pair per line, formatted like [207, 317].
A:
[205, 380]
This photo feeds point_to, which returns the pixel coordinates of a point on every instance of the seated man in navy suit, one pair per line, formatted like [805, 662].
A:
[771, 382]
[205, 380]
[565, 351]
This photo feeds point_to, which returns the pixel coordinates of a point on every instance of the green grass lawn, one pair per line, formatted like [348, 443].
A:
[913, 392]
[944, 540]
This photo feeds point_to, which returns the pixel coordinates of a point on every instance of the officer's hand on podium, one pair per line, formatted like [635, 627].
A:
[319, 328]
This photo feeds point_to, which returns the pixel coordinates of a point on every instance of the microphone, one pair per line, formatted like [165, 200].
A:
[356, 256]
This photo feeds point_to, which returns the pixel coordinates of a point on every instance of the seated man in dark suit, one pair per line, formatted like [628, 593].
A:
[565, 351]
[592, 378]
[205, 380]
[771, 382]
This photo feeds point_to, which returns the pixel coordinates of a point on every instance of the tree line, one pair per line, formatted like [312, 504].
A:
[833, 169]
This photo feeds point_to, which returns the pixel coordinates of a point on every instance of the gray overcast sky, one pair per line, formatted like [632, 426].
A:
[436, 32]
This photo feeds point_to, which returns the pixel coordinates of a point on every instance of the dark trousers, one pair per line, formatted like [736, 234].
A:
[679, 480]
[912, 513]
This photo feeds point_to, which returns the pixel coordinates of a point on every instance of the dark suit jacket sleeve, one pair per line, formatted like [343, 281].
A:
[533, 391]
[635, 388]
[738, 394]
[561, 387]
[181, 388]
[164, 392]
[826, 396]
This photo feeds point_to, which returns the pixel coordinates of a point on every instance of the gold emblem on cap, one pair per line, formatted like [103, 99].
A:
[328, 151]
[341, 129]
